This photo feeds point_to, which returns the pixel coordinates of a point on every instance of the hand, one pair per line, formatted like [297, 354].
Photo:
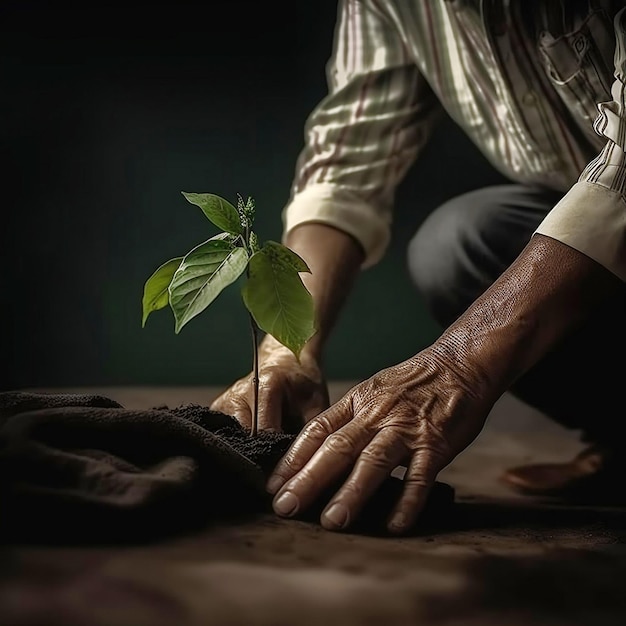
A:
[420, 413]
[290, 392]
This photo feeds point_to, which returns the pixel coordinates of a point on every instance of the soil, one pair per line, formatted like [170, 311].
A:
[266, 448]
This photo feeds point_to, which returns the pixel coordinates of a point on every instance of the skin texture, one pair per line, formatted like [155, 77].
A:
[422, 412]
[291, 392]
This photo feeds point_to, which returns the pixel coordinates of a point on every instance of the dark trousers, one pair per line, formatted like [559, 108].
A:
[464, 245]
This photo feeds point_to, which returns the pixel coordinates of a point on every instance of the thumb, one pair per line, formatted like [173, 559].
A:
[270, 410]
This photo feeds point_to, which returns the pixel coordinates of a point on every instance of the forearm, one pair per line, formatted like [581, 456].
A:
[365, 133]
[544, 295]
[335, 260]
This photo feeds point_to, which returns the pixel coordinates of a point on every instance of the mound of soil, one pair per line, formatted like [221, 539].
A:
[266, 448]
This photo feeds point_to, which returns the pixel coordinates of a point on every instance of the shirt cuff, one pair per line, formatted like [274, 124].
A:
[591, 219]
[344, 210]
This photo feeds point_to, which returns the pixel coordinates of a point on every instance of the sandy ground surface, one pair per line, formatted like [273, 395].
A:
[497, 559]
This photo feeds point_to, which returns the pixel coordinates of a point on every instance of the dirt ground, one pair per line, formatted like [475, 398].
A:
[496, 559]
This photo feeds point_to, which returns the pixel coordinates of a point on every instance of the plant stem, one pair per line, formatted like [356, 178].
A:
[255, 377]
[254, 426]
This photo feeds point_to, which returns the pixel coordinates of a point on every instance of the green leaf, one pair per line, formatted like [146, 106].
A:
[282, 254]
[204, 272]
[278, 300]
[155, 293]
[230, 238]
[221, 212]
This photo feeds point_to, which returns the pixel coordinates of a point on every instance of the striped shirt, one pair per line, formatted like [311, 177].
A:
[539, 88]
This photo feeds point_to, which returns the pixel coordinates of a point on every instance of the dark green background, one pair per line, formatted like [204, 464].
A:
[107, 115]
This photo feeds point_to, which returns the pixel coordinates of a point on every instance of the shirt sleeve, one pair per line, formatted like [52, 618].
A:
[364, 135]
[591, 217]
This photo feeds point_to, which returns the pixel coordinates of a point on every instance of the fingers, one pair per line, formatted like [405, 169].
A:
[271, 411]
[419, 479]
[270, 408]
[373, 466]
[328, 465]
[239, 403]
[306, 444]
[235, 407]
[373, 460]
[282, 402]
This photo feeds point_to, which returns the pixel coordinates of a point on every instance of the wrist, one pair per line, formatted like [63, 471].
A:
[271, 348]
[484, 371]
[548, 291]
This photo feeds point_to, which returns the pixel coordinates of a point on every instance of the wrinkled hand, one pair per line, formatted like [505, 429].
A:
[290, 392]
[420, 413]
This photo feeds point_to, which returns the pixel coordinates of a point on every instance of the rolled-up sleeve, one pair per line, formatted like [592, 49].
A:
[364, 135]
[591, 217]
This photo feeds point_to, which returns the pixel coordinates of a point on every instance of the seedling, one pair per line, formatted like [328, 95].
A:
[277, 301]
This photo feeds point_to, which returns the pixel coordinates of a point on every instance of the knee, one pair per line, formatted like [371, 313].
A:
[449, 258]
[434, 265]
[465, 244]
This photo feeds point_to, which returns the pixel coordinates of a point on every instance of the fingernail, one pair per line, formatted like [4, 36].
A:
[398, 522]
[337, 515]
[286, 504]
[274, 484]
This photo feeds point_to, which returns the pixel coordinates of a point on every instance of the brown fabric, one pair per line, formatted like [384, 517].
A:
[82, 468]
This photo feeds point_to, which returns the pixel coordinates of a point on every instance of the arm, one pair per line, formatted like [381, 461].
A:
[591, 218]
[544, 295]
[334, 259]
[359, 142]
[295, 392]
[364, 135]
[426, 410]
